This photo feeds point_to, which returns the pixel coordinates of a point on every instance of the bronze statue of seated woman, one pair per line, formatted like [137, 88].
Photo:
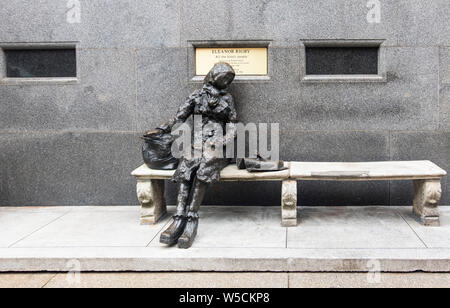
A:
[195, 172]
[201, 165]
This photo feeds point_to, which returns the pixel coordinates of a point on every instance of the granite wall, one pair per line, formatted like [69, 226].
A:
[76, 143]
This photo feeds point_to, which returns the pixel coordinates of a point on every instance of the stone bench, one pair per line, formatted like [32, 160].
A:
[150, 190]
[425, 174]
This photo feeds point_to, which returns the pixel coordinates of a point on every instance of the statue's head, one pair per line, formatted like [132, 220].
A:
[221, 75]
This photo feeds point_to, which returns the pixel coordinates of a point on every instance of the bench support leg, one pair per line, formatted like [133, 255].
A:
[289, 203]
[151, 197]
[427, 194]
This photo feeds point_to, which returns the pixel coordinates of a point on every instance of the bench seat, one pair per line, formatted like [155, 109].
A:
[229, 173]
[425, 175]
[366, 171]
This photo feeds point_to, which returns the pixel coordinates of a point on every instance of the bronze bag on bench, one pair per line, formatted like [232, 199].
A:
[156, 150]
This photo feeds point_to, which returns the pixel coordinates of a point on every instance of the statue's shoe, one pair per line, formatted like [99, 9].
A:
[173, 232]
[190, 231]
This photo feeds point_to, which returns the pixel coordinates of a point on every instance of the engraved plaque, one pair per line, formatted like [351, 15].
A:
[245, 61]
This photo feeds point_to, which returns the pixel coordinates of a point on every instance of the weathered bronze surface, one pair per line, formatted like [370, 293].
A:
[215, 104]
[156, 150]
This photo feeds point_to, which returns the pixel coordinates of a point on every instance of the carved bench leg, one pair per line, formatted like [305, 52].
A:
[427, 194]
[151, 197]
[289, 203]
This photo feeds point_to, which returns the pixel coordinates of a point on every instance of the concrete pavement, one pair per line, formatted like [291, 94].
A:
[231, 239]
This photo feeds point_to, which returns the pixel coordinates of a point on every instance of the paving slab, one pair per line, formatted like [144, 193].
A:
[15, 225]
[231, 226]
[99, 228]
[433, 237]
[352, 227]
[36, 209]
[35, 280]
[369, 280]
[230, 239]
[170, 280]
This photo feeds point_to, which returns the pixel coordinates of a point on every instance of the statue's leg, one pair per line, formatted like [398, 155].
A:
[173, 232]
[198, 194]
[182, 197]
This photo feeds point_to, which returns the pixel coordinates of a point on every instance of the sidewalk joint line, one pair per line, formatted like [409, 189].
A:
[286, 244]
[33, 232]
[157, 233]
[426, 246]
[51, 278]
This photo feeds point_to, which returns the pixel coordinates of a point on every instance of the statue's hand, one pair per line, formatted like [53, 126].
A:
[155, 132]
[166, 127]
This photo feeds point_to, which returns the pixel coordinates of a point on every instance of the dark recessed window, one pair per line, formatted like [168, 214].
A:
[341, 60]
[40, 63]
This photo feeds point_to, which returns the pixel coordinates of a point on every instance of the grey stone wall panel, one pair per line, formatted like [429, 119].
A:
[104, 98]
[162, 84]
[4, 197]
[423, 23]
[104, 23]
[444, 53]
[286, 22]
[71, 168]
[336, 146]
[444, 90]
[434, 146]
[445, 107]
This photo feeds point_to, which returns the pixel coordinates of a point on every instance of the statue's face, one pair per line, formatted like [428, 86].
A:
[220, 76]
[223, 80]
